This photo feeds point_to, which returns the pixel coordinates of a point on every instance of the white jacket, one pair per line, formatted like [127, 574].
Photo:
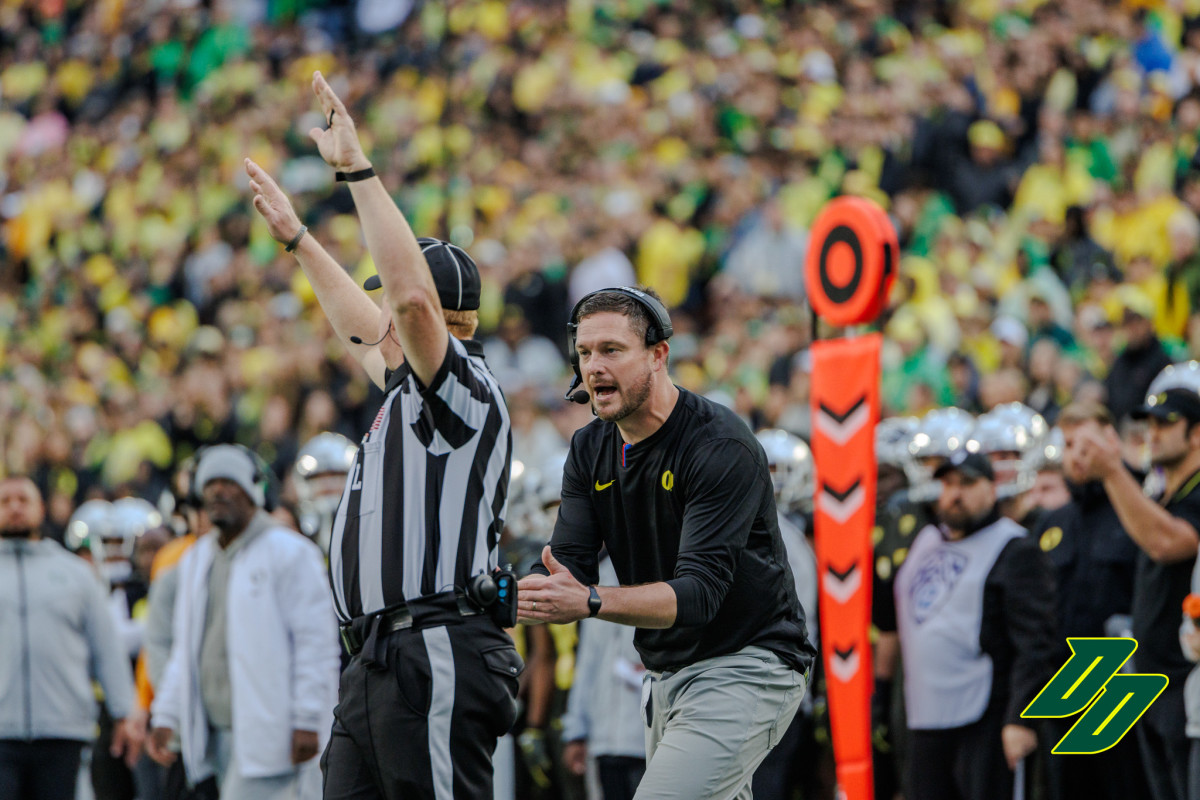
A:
[283, 653]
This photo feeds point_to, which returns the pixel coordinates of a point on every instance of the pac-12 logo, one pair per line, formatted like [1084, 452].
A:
[1089, 682]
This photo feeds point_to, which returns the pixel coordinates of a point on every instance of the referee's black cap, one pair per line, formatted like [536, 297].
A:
[454, 274]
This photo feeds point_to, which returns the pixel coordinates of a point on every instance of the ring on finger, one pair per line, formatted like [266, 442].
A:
[535, 605]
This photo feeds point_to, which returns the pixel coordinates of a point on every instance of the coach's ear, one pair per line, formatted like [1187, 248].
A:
[662, 354]
[551, 562]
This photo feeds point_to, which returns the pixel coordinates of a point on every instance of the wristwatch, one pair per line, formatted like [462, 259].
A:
[593, 601]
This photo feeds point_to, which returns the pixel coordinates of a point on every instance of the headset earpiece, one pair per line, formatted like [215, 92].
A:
[265, 480]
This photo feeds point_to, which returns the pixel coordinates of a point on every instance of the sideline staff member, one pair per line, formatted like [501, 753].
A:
[679, 491]
[432, 682]
[57, 634]
[975, 614]
[1094, 562]
[1166, 532]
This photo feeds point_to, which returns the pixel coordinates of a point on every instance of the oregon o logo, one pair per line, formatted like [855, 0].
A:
[668, 480]
[852, 261]
[1051, 539]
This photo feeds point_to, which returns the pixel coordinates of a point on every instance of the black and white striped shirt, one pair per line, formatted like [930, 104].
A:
[425, 500]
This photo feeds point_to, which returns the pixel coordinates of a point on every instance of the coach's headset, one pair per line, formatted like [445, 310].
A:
[658, 330]
[264, 478]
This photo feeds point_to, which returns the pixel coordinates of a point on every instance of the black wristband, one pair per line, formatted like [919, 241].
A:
[351, 177]
[593, 601]
[295, 239]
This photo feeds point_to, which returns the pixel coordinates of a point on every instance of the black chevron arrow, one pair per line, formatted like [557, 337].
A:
[841, 586]
[841, 418]
[845, 663]
[839, 574]
[841, 496]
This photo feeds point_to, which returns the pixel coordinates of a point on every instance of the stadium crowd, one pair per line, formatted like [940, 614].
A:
[1039, 161]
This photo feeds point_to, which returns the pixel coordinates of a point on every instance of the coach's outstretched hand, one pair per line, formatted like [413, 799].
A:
[338, 143]
[556, 597]
[273, 204]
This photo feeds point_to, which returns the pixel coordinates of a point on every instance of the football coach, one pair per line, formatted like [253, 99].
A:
[678, 490]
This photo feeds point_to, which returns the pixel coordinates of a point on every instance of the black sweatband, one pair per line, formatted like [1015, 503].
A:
[295, 239]
[351, 177]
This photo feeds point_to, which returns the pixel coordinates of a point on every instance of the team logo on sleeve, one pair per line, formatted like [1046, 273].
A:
[1051, 539]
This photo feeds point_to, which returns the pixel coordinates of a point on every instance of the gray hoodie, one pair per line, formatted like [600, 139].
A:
[56, 634]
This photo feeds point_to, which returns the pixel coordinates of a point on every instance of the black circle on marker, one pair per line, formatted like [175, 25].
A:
[841, 294]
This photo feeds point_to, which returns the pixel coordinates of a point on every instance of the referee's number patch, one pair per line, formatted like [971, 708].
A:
[668, 480]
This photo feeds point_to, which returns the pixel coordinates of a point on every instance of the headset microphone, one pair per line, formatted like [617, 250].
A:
[581, 396]
[357, 340]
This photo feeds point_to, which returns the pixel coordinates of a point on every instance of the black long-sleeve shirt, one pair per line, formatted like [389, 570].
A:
[1018, 629]
[691, 505]
[1158, 592]
[1094, 562]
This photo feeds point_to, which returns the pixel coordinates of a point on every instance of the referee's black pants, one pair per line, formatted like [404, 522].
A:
[420, 717]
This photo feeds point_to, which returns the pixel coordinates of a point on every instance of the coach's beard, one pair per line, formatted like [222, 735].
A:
[632, 400]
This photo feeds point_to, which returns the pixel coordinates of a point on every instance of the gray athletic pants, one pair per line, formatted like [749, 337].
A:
[709, 725]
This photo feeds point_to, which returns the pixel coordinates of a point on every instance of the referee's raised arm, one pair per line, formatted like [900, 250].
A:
[409, 289]
[350, 310]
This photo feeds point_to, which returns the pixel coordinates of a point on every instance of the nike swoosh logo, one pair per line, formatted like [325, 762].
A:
[600, 487]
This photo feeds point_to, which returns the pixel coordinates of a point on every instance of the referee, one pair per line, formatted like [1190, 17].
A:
[678, 489]
[432, 679]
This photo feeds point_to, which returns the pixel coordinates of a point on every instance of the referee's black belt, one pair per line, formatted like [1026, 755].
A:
[424, 612]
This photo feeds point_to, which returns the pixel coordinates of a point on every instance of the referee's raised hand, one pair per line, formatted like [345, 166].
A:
[272, 204]
[338, 142]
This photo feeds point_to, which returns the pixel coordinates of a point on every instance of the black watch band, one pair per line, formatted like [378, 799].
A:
[593, 601]
[351, 177]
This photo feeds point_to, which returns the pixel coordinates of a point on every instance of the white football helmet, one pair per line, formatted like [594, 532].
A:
[893, 436]
[1183, 375]
[130, 517]
[522, 514]
[1050, 454]
[89, 527]
[548, 493]
[793, 473]
[940, 433]
[1017, 431]
[320, 478]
